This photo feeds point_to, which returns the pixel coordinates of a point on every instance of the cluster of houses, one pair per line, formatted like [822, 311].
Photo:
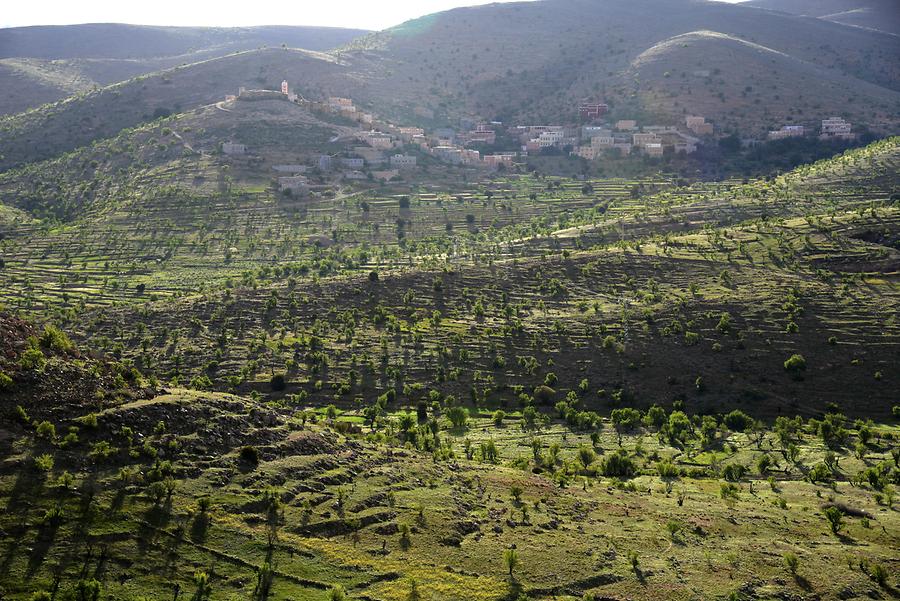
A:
[379, 152]
[833, 128]
[626, 136]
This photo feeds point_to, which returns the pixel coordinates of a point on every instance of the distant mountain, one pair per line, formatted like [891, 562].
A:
[45, 64]
[883, 15]
[115, 40]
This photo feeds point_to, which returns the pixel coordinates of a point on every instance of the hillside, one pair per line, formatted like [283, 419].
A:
[114, 40]
[536, 61]
[77, 121]
[769, 89]
[517, 387]
[228, 496]
[39, 65]
[665, 254]
[881, 15]
[472, 62]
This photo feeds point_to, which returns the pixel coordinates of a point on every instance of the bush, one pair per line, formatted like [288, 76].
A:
[6, 383]
[733, 472]
[249, 455]
[879, 574]
[791, 562]
[278, 382]
[737, 421]
[458, 416]
[544, 395]
[835, 518]
[626, 417]
[618, 465]
[667, 469]
[44, 463]
[795, 364]
[54, 339]
[46, 430]
[32, 358]
[201, 383]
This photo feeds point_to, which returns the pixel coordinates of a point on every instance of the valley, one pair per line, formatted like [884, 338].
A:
[413, 314]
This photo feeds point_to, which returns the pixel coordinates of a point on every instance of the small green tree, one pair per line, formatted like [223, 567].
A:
[835, 518]
[511, 560]
[791, 562]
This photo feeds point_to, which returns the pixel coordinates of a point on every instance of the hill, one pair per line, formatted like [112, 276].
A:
[881, 15]
[537, 60]
[39, 65]
[115, 40]
[770, 87]
[567, 259]
[212, 494]
[77, 121]
[532, 62]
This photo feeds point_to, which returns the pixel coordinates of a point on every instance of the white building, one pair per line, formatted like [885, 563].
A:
[289, 168]
[403, 161]
[836, 127]
[297, 184]
[698, 125]
[787, 131]
[645, 139]
[602, 142]
[233, 148]
[654, 149]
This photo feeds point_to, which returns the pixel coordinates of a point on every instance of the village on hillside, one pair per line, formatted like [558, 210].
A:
[383, 151]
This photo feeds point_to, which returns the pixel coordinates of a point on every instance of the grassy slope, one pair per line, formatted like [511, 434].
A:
[343, 498]
[820, 238]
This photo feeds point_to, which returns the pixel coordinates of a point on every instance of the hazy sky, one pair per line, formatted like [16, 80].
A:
[364, 14]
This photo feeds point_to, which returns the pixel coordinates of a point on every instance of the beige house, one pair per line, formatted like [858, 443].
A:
[645, 139]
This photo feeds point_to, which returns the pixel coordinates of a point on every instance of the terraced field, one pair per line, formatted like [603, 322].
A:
[510, 388]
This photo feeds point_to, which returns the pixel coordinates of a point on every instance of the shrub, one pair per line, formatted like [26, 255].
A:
[795, 364]
[626, 417]
[586, 456]
[337, 592]
[618, 465]
[32, 358]
[44, 463]
[278, 382]
[835, 518]
[458, 416]
[879, 574]
[6, 383]
[737, 421]
[498, 417]
[249, 455]
[733, 472]
[46, 430]
[544, 395]
[727, 490]
[791, 562]
[667, 469]
[54, 339]
[201, 382]
[511, 560]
